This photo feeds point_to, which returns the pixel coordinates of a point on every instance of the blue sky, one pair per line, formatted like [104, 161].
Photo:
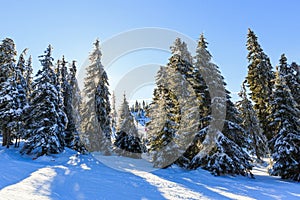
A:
[71, 27]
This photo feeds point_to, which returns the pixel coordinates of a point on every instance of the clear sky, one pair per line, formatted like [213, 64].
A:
[71, 27]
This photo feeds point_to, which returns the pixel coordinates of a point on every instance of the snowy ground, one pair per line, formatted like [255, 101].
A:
[72, 176]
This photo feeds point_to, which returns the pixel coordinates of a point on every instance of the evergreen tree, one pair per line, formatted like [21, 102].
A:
[125, 120]
[292, 80]
[164, 122]
[251, 125]
[295, 88]
[195, 78]
[225, 155]
[180, 48]
[103, 105]
[113, 113]
[12, 94]
[66, 92]
[44, 123]
[73, 107]
[60, 87]
[284, 120]
[96, 107]
[28, 76]
[260, 80]
[127, 140]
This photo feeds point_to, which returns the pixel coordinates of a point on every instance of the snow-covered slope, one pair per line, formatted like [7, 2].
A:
[73, 176]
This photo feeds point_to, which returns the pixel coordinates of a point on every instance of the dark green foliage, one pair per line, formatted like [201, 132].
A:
[95, 110]
[250, 123]
[284, 120]
[225, 155]
[127, 141]
[128, 145]
[45, 127]
[260, 80]
[13, 99]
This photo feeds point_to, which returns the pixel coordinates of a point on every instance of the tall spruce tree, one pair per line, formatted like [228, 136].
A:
[260, 80]
[72, 110]
[113, 113]
[28, 76]
[195, 78]
[284, 120]
[96, 107]
[164, 122]
[66, 92]
[250, 123]
[12, 93]
[225, 155]
[291, 77]
[44, 123]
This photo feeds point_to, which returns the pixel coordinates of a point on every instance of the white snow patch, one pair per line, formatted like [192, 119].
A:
[35, 187]
[170, 190]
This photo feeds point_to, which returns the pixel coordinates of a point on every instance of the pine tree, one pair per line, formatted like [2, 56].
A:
[251, 125]
[113, 113]
[127, 141]
[12, 94]
[96, 107]
[284, 120]
[178, 90]
[295, 83]
[28, 76]
[125, 120]
[22, 97]
[59, 84]
[260, 80]
[72, 105]
[66, 93]
[44, 123]
[289, 74]
[225, 155]
[180, 48]
[103, 105]
[164, 122]
[195, 78]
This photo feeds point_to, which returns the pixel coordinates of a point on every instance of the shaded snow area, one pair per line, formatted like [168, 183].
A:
[73, 176]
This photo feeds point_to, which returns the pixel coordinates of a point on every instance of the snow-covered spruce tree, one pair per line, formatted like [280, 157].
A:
[22, 98]
[164, 122]
[295, 83]
[127, 141]
[95, 110]
[66, 93]
[12, 94]
[180, 48]
[161, 128]
[260, 80]
[72, 110]
[45, 127]
[174, 81]
[225, 155]
[250, 123]
[28, 76]
[63, 119]
[289, 74]
[194, 77]
[103, 105]
[188, 108]
[284, 120]
[113, 113]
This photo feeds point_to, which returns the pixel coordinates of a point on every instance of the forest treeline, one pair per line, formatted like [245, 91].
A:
[192, 120]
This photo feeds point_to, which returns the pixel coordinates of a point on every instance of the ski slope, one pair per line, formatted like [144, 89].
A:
[71, 176]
